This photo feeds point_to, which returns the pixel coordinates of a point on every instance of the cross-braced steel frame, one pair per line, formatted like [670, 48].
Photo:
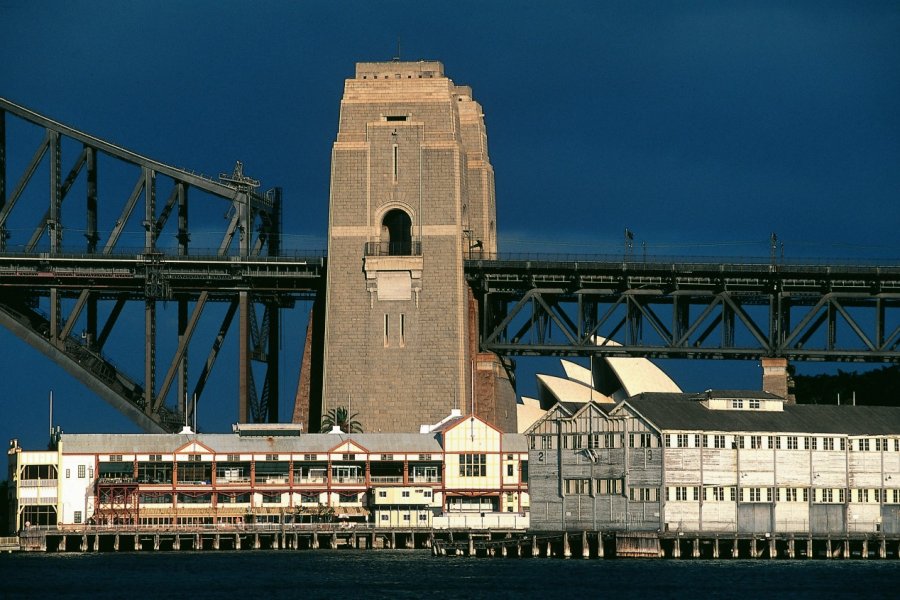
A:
[688, 309]
[243, 272]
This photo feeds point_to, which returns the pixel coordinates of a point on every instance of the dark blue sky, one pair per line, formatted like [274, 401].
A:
[701, 126]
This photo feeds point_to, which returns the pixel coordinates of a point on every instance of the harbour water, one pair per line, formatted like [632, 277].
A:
[416, 574]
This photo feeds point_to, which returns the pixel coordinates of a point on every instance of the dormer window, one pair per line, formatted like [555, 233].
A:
[754, 404]
[737, 404]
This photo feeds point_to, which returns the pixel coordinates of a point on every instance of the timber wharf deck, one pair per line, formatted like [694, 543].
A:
[595, 544]
[127, 538]
[458, 542]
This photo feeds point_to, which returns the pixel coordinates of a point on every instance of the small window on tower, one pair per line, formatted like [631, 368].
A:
[402, 329]
[395, 118]
[386, 330]
[396, 161]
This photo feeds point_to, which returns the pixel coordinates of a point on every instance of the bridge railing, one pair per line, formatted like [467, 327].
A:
[405, 248]
[655, 262]
[169, 254]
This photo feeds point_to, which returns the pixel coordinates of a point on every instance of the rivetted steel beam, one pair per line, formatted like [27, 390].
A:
[3, 231]
[208, 185]
[45, 222]
[184, 339]
[126, 212]
[149, 355]
[111, 321]
[244, 357]
[150, 275]
[214, 351]
[753, 306]
[91, 205]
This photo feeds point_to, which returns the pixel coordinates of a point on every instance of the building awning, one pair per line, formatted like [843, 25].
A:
[346, 512]
[107, 511]
[267, 510]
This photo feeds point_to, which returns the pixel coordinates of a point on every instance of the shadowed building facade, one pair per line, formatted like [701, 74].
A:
[412, 196]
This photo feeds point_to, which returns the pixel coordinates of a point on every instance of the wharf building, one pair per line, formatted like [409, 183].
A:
[719, 463]
[461, 473]
[394, 338]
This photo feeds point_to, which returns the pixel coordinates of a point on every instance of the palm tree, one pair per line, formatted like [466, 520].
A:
[340, 417]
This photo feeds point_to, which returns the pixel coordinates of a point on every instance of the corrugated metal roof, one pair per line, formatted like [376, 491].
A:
[686, 412]
[229, 443]
[744, 394]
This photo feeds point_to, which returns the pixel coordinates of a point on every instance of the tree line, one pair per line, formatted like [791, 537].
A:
[876, 387]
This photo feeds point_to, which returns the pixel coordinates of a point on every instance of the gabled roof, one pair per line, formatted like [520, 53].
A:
[558, 410]
[671, 412]
[194, 447]
[348, 445]
[602, 409]
[452, 424]
[570, 407]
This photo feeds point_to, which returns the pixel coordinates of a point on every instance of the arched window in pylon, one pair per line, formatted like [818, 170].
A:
[396, 233]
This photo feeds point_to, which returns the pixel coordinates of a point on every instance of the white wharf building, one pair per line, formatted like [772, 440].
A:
[716, 462]
[462, 472]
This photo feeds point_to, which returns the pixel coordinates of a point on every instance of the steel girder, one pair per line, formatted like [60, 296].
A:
[79, 286]
[689, 309]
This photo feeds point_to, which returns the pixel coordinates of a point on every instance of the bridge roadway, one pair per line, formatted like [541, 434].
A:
[688, 308]
[160, 275]
[542, 305]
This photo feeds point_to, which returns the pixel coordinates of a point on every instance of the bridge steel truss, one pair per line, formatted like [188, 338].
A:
[688, 309]
[106, 276]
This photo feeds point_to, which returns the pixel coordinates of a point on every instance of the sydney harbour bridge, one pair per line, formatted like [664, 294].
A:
[65, 295]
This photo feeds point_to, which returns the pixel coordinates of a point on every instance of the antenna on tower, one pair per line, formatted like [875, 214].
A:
[237, 179]
[397, 56]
